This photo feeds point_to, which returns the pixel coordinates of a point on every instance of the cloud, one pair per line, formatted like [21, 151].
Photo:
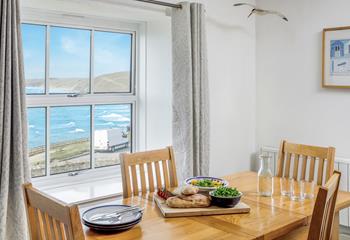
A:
[69, 45]
[110, 61]
[104, 56]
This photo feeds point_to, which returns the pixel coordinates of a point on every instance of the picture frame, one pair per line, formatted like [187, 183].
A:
[336, 57]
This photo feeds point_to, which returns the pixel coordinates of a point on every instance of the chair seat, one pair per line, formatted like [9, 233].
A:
[298, 234]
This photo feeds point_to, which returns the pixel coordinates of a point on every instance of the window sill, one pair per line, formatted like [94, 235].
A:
[93, 185]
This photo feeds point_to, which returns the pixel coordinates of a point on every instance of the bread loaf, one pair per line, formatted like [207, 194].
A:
[193, 201]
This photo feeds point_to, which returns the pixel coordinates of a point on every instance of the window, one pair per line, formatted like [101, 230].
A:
[112, 48]
[70, 138]
[81, 97]
[34, 37]
[69, 60]
[37, 140]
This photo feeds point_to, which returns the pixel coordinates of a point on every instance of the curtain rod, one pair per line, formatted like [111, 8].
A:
[161, 3]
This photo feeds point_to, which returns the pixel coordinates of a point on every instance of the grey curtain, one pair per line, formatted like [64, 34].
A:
[14, 169]
[190, 90]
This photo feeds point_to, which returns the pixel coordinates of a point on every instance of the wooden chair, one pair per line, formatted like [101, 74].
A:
[311, 154]
[50, 219]
[150, 160]
[323, 214]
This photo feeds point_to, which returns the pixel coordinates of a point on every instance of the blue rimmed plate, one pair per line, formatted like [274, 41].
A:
[217, 182]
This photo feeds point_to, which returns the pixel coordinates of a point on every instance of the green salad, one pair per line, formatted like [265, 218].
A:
[206, 183]
[226, 192]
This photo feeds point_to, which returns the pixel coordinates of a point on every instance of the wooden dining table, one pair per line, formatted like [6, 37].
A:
[269, 217]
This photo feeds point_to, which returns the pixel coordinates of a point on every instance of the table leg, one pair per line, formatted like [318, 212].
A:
[335, 234]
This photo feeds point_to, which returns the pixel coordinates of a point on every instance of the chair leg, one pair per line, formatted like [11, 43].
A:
[335, 233]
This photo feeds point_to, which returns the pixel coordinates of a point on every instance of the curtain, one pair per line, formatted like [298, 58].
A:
[190, 91]
[14, 169]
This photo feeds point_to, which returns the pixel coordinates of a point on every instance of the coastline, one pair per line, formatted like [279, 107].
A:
[70, 156]
[115, 82]
[41, 149]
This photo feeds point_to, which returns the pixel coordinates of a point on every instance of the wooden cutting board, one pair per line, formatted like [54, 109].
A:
[190, 212]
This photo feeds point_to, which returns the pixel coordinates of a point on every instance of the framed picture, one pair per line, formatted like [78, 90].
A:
[336, 57]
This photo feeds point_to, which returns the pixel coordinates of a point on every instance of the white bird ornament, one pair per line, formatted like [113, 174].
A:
[261, 12]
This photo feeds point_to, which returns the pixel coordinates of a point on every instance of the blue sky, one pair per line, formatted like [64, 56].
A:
[34, 51]
[70, 52]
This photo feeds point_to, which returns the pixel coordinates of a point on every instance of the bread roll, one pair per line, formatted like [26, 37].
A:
[189, 190]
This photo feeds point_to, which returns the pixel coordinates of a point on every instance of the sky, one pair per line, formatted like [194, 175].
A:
[70, 52]
[34, 51]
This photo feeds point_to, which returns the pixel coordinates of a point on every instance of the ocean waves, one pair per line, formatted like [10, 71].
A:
[68, 125]
[71, 123]
[77, 130]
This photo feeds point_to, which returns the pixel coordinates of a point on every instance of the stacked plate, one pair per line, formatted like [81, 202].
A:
[112, 218]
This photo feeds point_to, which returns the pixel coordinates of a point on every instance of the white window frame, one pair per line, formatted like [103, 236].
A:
[138, 90]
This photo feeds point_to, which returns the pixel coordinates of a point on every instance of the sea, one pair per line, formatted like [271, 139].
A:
[74, 122]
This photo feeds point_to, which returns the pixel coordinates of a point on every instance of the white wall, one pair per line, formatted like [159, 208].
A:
[231, 63]
[231, 56]
[231, 53]
[290, 101]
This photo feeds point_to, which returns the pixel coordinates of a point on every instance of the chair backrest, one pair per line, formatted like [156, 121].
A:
[50, 219]
[158, 163]
[301, 156]
[323, 215]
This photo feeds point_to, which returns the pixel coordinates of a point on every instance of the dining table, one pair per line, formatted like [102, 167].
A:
[269, 217]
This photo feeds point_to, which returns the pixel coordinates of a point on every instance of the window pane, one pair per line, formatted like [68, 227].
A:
[112, 62]
[36, 141]
[112, 133]
[69, 60]
[34, 41]
[69, 138]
